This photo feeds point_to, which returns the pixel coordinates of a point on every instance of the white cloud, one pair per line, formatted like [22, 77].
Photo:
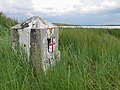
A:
[93, 6]
[61, 7]
[16, 7]
[56, 7]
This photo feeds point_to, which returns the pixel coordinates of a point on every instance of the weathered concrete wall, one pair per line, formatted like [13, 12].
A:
[35, 49]
[24, 40]
[48, 58]
[57, 52]
[44, 50]
[14, 38]
[39, 54]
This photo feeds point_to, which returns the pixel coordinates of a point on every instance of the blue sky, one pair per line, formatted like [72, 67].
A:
[65, 11]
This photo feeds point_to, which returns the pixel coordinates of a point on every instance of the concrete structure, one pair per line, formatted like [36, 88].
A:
[39, 39]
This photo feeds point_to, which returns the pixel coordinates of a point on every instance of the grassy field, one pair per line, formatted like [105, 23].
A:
[90, 60]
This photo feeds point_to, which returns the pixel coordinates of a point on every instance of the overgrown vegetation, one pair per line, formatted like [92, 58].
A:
[90, 60]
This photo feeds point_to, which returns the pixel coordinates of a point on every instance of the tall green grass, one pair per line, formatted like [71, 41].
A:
[6, 21]
[90, 60]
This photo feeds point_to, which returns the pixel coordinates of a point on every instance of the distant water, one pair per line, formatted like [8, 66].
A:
[109, 27]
